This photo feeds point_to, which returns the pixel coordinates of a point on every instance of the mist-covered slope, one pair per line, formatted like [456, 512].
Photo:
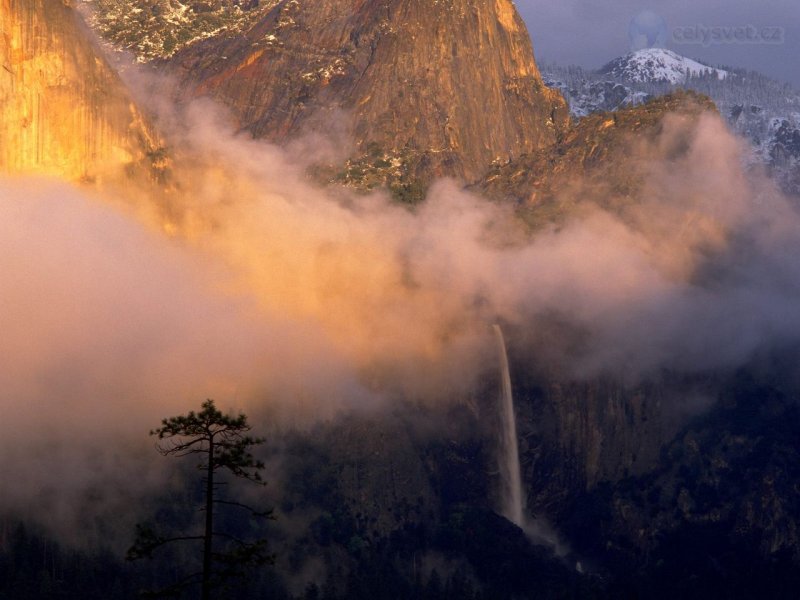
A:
[763, 111]
[596, 152]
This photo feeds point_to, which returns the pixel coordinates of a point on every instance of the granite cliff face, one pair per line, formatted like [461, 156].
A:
[65, 111]
[717, 517]
[427, 88]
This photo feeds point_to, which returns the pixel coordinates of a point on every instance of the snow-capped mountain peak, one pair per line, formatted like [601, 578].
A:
[658, 64]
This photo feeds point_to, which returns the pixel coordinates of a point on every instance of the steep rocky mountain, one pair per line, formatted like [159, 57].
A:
[412, 81]
[65, 111]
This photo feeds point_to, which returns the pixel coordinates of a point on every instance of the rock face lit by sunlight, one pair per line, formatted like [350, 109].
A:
[415, 96]
[65, 111]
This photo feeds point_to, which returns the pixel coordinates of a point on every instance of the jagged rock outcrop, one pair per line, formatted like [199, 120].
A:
[760, 109]
[597, 153]
[65, 112]
[427, 88]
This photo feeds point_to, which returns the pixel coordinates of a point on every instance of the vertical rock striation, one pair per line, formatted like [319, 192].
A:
[437, 88]
[64, 110]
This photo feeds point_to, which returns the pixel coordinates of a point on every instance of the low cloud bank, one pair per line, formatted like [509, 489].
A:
[277, 297]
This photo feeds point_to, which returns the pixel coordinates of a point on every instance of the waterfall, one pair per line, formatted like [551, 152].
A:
[538, 530]
[513, 507]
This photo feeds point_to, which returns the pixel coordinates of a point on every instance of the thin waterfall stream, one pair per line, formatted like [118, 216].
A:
[513, 505]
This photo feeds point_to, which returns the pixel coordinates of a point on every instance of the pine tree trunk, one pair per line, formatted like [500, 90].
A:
[209, 530]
